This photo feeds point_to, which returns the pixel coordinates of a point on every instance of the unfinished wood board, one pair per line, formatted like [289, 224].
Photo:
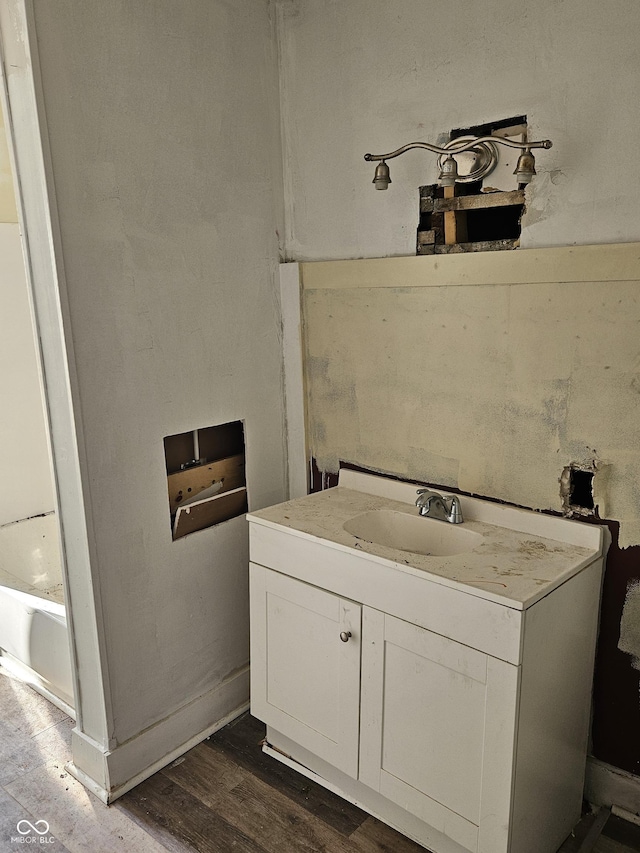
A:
[480, 201]
[478, 246]
[202, 514]
[229, 473]
[455, 220]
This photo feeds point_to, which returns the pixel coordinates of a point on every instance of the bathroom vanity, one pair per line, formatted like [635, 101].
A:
[437, 675]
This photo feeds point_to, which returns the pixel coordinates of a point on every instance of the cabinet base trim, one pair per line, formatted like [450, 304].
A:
[606, 785]
[289, 753]
[283, 758]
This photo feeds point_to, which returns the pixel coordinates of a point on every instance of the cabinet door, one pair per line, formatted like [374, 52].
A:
[437, 730]
[305, 679]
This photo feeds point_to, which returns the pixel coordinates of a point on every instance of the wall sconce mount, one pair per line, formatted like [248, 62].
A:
[481, 157]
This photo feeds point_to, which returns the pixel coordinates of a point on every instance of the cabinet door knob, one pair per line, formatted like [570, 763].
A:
[344, 636]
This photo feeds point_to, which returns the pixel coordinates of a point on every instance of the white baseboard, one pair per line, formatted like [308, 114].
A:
[606, 785]
[110, 774]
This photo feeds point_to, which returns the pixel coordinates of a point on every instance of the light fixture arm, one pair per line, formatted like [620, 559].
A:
[454, 149]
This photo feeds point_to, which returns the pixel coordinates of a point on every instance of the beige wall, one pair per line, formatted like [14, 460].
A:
[8, 212]
[363, 76]
[25, 472]
[487, 373]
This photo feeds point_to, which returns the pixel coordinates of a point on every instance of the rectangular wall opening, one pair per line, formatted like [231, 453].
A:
[205, 477]
[476, 215]
[576, 489]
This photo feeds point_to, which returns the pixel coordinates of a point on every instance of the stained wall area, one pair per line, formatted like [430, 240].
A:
[489, 374]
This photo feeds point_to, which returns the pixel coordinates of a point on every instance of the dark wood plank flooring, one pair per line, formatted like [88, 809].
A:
[224, 795]
[227, 795]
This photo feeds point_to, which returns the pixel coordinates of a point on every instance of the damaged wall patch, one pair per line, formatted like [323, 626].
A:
[629, 641]
[576, 489]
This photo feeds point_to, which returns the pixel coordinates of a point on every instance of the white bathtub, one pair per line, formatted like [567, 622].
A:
[33, 625]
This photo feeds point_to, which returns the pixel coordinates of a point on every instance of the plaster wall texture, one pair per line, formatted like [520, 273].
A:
[368, 76]
[8, 212]
[629, 641]
[163, 126]
[490, 388]
[25, 471]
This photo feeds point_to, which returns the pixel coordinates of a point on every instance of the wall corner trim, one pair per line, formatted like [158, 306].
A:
[110, 774]
[292, 348]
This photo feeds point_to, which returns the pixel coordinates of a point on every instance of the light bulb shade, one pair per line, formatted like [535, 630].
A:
[526, 168]
[381, 178]
[448, 172]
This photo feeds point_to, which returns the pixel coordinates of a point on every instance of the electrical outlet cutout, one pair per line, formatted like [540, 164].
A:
[576, 489]
[205, 477]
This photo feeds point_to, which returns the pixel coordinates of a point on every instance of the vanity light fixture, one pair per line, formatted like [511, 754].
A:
[481, 158]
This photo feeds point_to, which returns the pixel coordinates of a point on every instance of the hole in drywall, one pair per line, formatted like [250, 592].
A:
[581, 491]
[484, 215]
[205, 477]
[576, 490]
[502, 127]
[494, 223]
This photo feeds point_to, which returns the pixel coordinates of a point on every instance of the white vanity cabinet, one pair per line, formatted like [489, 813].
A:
[307, 682]
[438, 722]
[459, 716]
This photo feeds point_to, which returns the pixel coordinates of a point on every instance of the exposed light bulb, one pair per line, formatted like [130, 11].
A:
[381, 178]
[526, 168]
[448, 173]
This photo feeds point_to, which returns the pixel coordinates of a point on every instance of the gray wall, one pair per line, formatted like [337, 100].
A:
[164, 134]
[371, 76]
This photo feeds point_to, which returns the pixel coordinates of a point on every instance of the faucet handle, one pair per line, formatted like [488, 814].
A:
[455, 510]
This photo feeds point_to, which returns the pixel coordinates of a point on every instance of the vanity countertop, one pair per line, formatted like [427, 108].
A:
[522, 557]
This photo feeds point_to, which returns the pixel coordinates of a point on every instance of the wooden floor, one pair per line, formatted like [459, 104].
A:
[224, 795]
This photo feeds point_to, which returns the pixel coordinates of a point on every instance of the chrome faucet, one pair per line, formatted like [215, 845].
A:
[433, 505]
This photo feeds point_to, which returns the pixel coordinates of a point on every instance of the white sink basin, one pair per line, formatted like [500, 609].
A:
[412, 533]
